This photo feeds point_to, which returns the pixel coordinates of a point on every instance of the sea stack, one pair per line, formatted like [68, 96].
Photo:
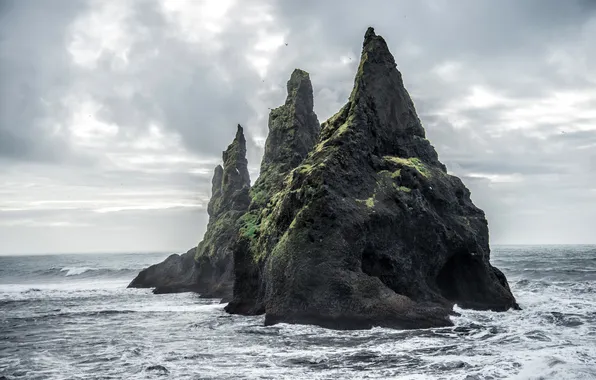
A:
[229, 201]
[369, 229]
[208, 268]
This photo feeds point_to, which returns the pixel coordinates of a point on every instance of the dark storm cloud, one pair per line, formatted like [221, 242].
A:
[471, 29]
[504, 45]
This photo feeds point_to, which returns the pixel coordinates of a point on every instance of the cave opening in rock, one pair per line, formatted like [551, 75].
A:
[461, 278]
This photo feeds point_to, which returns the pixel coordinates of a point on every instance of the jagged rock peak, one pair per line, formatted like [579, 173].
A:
[380, 116]
[293, 131]
[208, 268]
[235, 155]
[377, 45]
[240, 135]
[235, 172]
[379, 85]
[230, 199]
[300, 89]
[293, 127]
[370, 33]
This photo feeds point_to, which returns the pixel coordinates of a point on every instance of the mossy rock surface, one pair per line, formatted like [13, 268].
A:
[369, 230]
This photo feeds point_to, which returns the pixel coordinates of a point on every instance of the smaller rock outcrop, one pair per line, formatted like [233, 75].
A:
[208, 268]
[173, 275]
[158, 369]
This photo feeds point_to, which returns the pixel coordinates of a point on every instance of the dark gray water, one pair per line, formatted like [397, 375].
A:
[71, 317]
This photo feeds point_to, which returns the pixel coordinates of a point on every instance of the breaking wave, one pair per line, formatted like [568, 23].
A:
[82, 271]
[73, 271]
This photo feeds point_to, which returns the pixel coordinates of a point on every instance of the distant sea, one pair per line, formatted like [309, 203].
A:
[71, 317]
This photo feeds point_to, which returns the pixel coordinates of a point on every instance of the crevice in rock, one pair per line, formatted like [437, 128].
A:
[376, 266]
[381, 266]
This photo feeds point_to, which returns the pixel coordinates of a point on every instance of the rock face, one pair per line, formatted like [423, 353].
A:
[369, 229]
[293, 131]
[208, 269]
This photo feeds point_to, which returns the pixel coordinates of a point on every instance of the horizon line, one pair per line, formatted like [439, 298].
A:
[176, 251]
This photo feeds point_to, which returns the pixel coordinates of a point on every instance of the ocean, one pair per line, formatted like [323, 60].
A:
[71, 317]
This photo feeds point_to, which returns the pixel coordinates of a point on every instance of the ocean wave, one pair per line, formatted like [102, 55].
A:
[81, 272]
[560, 270]
[74, 271]
[70, 314]
[42, 292]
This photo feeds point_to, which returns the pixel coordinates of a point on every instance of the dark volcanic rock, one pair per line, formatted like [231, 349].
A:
[229, 201]
[208, 269]
[158, 369]
[293, 132]
[169, 275]
[369, 229]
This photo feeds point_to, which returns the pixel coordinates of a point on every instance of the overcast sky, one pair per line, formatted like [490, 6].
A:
[114, 113]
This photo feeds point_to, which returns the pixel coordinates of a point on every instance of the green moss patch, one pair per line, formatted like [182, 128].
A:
[369, 202]
[412, 162]
[249, 225]
[259, 197]
[304, 168]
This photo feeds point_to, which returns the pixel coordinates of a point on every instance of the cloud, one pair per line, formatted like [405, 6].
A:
[126, 106]
[34, 72]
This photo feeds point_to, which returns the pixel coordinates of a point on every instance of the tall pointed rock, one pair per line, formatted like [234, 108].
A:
[370, 229]
[208, 268]
[231, 184]
[293, 131]
[214, 256]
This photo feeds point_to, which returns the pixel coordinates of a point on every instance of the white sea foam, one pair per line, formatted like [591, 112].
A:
[91, 326]
[60, 290]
